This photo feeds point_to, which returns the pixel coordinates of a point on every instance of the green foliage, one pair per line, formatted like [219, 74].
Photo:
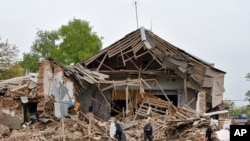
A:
[232, 106]
[247, 94]
[248, 77]
[8, 54]
[30, 62]
[16, 70]
[8, 59]
[71, 43]
[234, 110]
[44, 42]
[78, 42]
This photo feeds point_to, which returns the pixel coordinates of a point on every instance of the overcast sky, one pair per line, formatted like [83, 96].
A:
[217, 31]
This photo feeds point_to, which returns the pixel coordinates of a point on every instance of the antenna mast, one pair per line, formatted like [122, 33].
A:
[136, 14]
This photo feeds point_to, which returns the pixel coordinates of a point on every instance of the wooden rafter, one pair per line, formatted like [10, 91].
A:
[148, 65]
[103, 96]
[159, 87]
[105, 65]
[97, 69]
[123, 59]
[133, 63]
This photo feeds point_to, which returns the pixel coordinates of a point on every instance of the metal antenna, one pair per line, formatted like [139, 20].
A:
[151, 26]
[136, 14]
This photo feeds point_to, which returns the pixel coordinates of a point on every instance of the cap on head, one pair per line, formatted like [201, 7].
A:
[112, 119]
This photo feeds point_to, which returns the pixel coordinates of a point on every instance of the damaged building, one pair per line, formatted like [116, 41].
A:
[143, 65]
[139, 76]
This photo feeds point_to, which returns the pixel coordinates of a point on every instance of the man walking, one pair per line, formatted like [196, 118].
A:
[148, 131]
[209, 131]
[118, 132]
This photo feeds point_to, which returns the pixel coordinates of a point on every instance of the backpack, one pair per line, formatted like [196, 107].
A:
[118, 128]
[148, 129]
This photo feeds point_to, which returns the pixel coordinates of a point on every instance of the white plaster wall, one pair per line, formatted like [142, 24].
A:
[47, 79]
[51, 80]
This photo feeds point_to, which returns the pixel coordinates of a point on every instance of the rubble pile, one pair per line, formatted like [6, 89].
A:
[169, 122]
[176, 123]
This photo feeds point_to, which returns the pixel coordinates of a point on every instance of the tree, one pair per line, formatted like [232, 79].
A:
[71, 43]
[247, 95]
[78, 42]
[8, 59]
[29, 62]
[248, 76]
[232, 107]
[16, 70]
[44, 42]
[234, 110]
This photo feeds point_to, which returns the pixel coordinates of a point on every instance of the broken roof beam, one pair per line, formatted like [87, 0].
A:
[152, 54]
[215, 113]
[97, 69]
[99, 76]
[103, 95]
[132, 62]
[120, 84]
[128, 58]
[138, 47]
[159, 103]
[159, 53]
[105, 65]
[91, 74]
[159, 87]
[86, 75]
[123, 60]
[151, 61]
[133, 50]
[117, 48]
[142, 54]
[165, 45]
[19, 87]
[122, 45]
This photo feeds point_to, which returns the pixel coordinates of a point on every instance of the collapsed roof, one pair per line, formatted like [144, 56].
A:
[142, 52]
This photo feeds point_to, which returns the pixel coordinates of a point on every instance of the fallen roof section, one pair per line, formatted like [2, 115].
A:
[143, 52]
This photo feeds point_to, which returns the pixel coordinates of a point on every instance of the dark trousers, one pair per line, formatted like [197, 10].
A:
[208, 138]
[118, 136]
[147, 137]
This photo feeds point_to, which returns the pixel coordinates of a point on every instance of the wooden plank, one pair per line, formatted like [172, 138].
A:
[185, 87]
[142, 54]
[97, 69]
[133, 63]
[127, 93]
[106, 65]
[162, 90]
[155, 110]
[148, 65]
[19, 87]
[215, 113]
[104, 97]
[124, 63]
[99, 75]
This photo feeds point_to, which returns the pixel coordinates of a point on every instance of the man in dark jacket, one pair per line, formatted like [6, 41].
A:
[148, 131]
[118, 132]
[209, 131]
